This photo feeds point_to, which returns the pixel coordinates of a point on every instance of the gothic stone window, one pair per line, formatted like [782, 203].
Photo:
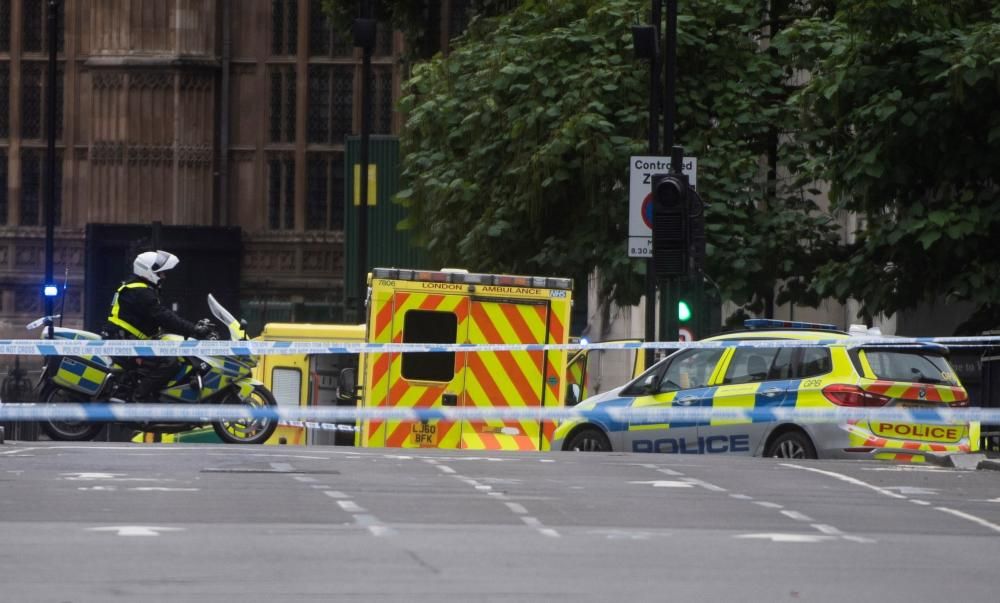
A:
[284, 27]
[35, 18]
[4, 25]
[282, 126]
[33, 114]
[331, 97]
[3, 187]
[34, 187]
[325, 191]
[4, 99]
[281, 192]
[324, 41]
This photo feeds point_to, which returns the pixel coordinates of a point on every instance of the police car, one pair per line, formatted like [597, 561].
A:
[842, 372]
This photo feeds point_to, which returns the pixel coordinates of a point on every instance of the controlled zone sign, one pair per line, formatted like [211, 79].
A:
[641, 170]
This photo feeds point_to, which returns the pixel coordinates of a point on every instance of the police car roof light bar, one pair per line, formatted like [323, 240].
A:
[769, 323]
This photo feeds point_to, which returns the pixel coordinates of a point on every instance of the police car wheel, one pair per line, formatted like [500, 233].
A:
[589, 440]
[792, 445]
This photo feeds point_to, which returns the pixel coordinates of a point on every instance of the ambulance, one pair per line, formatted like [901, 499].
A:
[456, 306]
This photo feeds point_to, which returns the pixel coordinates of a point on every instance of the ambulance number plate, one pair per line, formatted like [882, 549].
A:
[424, 434]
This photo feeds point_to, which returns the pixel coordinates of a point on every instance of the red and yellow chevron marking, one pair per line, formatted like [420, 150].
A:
[512, 379]
[399, 392]
[912, 391]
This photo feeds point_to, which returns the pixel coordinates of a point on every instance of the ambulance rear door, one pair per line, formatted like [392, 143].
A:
[508, 378]
[417, 379]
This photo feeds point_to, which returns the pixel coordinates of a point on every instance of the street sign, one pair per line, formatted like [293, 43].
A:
[640, 198]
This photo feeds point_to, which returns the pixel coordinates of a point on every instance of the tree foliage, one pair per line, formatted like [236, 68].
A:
[902, 117]
[517, 144]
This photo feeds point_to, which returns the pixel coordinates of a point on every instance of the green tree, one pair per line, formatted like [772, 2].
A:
[902, 116]
[516, 147]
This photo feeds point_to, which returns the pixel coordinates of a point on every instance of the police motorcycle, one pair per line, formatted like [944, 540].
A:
[199, 380]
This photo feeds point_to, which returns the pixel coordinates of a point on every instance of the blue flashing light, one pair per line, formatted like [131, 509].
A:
[50, 291]
[768, 323]
[584, 341]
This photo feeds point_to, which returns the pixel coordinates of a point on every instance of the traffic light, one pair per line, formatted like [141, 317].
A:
[683, 311]
[670, 225]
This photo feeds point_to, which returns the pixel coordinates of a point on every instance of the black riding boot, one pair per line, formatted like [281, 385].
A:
[154, 374]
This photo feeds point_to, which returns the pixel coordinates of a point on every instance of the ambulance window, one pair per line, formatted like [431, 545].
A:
[286, 383]
[425, 326]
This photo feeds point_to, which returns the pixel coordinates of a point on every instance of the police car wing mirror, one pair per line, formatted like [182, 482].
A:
[347, 385]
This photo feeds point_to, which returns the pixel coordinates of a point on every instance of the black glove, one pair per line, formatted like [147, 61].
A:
[202, 329]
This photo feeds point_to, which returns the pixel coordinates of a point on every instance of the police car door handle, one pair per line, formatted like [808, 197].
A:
[684, 402]
[770, 393]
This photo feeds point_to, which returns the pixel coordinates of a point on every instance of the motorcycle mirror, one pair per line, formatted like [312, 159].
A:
[42, 321]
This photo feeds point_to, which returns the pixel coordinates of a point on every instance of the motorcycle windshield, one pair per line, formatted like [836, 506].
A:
[223, 315]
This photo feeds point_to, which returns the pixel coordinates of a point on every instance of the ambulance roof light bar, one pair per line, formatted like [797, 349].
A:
[457, 275]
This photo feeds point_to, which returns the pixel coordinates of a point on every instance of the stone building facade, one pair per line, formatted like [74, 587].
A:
[186, 112]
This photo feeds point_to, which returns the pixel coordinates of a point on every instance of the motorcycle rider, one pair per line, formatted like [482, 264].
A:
[138, 313]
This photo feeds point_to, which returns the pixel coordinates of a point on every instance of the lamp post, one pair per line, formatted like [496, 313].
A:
[50, 290]
[364, 36]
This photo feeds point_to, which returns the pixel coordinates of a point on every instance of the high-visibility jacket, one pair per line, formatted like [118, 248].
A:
[137, 312]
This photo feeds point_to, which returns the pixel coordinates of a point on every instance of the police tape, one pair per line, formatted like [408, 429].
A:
[193, 347]
[202, 413]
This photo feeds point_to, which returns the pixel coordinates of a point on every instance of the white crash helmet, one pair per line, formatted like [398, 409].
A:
[149, 264]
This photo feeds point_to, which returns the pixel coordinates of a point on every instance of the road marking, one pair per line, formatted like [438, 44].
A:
[920, 502]
[704, 485]
[445, 469]
[319, 486]
[912, 491]
[533, 522]
[335, 494]
[135, 530]
[769, 505]
[796, 515]
[18, 450]
[848, 479]
[305, 479]
[665, 484]
[516, 507]
[827, 529]
[741, 496]
[784, 537]
[972, 518]
[350, 506]
[283, 467]
[373, 525]
[162, 489]
[90, 476]
[97, 488]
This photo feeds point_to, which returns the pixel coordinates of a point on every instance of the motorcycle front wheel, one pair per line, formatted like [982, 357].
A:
[66, 431]
[248, 430]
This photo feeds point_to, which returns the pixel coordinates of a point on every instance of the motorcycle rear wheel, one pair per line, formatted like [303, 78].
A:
[249, 430]
[66, 431]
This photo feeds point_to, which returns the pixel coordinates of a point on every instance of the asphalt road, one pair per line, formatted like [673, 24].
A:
[116, 522]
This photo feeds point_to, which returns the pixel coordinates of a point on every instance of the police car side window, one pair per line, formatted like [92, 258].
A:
[750, 365]
[690, 370]
[815, 362]
[782, 367]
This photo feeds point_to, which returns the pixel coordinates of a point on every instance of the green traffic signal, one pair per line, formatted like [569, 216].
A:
[683, 311]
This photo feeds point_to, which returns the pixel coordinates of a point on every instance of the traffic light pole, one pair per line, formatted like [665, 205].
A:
[654, 149]
[669, 294]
